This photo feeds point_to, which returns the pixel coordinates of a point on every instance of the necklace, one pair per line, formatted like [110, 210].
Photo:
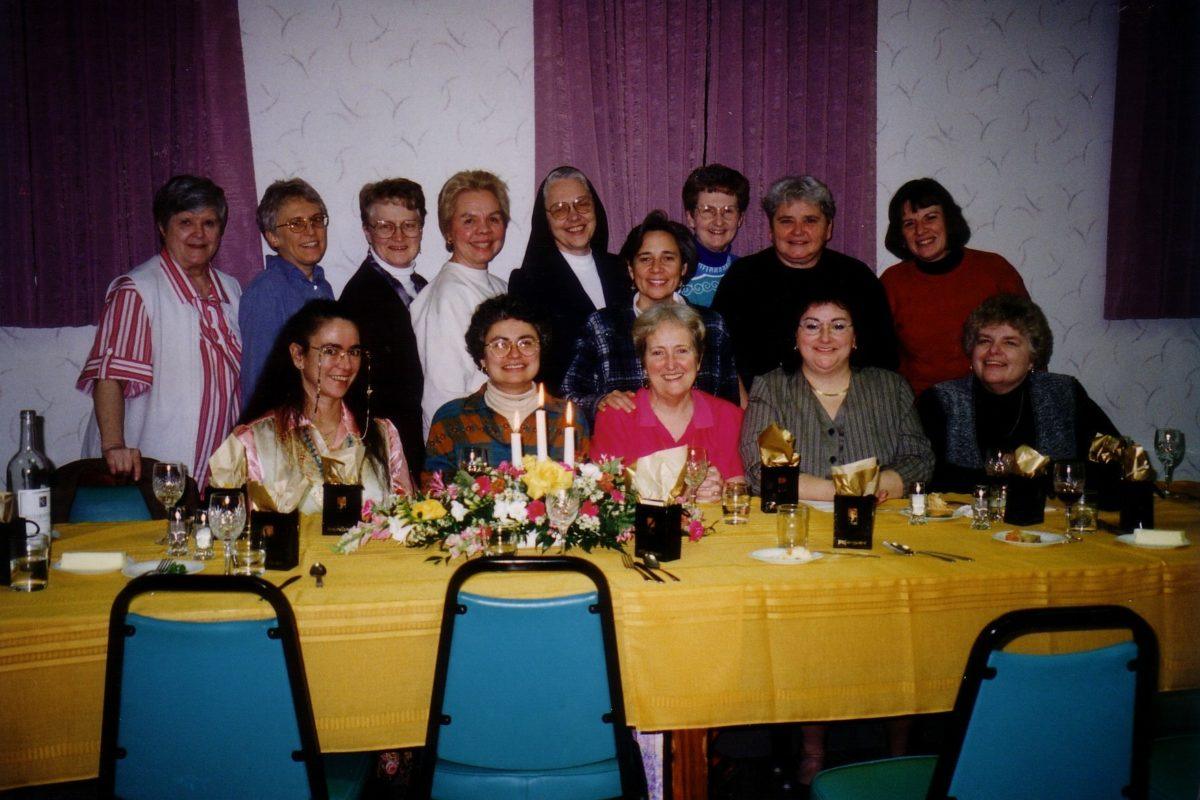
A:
[839, 393]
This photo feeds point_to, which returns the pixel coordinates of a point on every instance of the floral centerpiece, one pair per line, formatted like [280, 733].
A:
[461, 515]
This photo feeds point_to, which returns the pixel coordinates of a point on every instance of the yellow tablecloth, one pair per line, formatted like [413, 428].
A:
[737, 641]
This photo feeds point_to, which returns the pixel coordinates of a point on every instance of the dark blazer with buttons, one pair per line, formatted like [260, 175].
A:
[395, 369]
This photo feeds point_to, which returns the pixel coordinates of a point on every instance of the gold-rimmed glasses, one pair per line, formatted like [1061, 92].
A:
[333, 352]
[709, 213]
[501, 347]
[301, 224]
[385, 229]
[812, 327]
[561, 210]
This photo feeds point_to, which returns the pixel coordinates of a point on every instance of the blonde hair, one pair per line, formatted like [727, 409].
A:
[466, 181]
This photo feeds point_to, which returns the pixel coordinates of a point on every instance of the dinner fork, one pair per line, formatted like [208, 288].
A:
[646, 574]
[162, 567]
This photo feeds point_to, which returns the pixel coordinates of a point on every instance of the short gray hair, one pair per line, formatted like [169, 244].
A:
[680, 313]
[563, 174]
[279, 193]
[1023, 315]
[791, 188]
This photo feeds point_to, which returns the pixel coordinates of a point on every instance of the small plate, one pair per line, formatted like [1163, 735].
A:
[958, 513]
[94, 571]
[1048, 539]
[819, 505]
[778, 555]
[142, 567]
[1127, 538]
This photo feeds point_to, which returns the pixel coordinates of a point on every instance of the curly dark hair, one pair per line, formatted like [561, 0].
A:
[658, 220]
[280, 388]
[918, 194]
[1022, 314]
[497, 309]
[822, 295]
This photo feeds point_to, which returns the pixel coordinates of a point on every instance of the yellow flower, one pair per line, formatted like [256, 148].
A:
[544, 477]
[428, 510]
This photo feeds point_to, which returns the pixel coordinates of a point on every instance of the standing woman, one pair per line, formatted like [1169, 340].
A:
[311, 405]
[164, 367]
[473, 216]
[939, 282]
[567, 272]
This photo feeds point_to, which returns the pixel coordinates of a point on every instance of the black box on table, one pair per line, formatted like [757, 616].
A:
[1136, 504]
[853, 521]
[343, 508]
[658, 530]
[779, 485]
[279, 535]
[1026, 501]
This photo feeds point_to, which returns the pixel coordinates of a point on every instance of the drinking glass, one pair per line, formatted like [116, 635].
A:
[250, 557]
[997, 465]
[695, 470]
[791, 526]
[473, 461]
[168, 480]
[29, 565]
[227, 516]
[1069, 484]
[735, 502]
[981, 516]
[1169, 444]
[562, 507]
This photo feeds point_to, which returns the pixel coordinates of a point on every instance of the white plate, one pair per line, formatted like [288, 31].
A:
[1048, 539]
[1127, 538]
[819, 505]
[142, 567]
[958, 513]
[90, 571]
[778, 555]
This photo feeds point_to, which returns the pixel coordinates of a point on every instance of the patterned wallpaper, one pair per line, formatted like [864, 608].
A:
[1008, 103]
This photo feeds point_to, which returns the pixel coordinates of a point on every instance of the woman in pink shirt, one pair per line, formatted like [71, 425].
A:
[669, 340]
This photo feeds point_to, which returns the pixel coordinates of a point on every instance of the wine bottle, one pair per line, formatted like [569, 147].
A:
[29, 476]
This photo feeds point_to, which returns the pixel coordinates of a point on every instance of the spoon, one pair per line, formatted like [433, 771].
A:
[318, 571]
[651, 561]
[905, 550]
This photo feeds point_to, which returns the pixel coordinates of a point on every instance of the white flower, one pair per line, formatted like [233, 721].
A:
[590, 471]
[398, 529]
[458, 511]
[516, 510]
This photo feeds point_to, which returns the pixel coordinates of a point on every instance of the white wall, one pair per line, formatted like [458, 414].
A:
[1008, 103]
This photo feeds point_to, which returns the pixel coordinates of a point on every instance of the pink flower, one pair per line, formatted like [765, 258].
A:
[379, 519]
[589, 509]
[483, 484]
[625, 535]
[367, 508]
[618, 496]
[695, 530]
[535, 510]
[436, 483]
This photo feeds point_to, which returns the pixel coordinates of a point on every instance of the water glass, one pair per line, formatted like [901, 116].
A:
[30, 564]
[1081, 518]
[791, 526]
[981, 516]
[735, 502]
[504, 541]
[562, 507]
[249, 556]
[997, 501]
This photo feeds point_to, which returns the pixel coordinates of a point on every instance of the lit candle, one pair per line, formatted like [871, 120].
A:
[569, 437]
[515, 440]
[543, 451]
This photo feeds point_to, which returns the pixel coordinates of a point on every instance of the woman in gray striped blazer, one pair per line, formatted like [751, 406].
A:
[838, 413]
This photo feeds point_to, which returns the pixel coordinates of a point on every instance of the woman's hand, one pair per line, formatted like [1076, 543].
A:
[710, 490]
[622, 401]
[814, 488]
[124, 461]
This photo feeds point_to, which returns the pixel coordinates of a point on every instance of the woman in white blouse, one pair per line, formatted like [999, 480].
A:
[473, 216]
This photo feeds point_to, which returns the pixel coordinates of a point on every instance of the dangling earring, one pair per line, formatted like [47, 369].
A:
[317, 399]
[370, 391]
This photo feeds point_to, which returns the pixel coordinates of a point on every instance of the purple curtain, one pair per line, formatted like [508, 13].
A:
[1154, 198]
[103, 102]
[637, 94]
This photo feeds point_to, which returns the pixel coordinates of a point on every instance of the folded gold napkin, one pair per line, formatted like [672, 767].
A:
[777, 447]
[658, 477]
[1106, 448]
[857, 479]
[1030, 463]
[1131, 456]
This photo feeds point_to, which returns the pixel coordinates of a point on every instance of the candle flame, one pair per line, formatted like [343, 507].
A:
[541, 395]
[570, 412]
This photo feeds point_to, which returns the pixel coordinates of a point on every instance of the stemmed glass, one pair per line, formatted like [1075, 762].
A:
[1068, 484]
[474, 461]
[227, 516]
[695, 470]
[167, 480]
[1169, 444]
[562, 507]
[998, 465]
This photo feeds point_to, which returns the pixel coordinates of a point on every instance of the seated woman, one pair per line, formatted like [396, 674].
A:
[1008, 399]
[606, 370]
[505, 338]
[669, 340]
[838, 413]
[308, 406]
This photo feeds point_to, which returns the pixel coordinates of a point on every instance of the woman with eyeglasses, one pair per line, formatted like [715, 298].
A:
[311, 405]
[839, 413]
[505, 339]
[567, 272]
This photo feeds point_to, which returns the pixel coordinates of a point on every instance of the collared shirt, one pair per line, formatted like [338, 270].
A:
[269, 301]
[715, 426]
[605, 359]
[405, 280]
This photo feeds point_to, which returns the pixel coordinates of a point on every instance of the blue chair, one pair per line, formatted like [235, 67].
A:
[1075, 725]
[212, 709]
[108, 504]
[527, 699]
[85, 491]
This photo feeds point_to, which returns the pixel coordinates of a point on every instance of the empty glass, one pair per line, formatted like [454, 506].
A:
[29, 565]
[981, 517]
[227, 516]
[168, 480]
[735, 502]
[249, 556]
[562, 507]
[791, 526]
[695, 470]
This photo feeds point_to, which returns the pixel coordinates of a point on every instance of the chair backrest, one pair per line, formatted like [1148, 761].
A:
[1052, 726]
[85, 491]
[108, 504]
[207, 709]
[528, 684]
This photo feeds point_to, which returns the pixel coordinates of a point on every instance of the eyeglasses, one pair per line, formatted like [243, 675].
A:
[839, 327]
[300, 224]
[386, 230]
[526, 346]
[709, 213]
[561, 210]
[334, 352]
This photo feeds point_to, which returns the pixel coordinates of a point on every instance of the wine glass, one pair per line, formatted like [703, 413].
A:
[562, 507]
[167, 480]
[1169, 444]
[695, 470]
[1068, 484]
[474, 461]
[227, 516]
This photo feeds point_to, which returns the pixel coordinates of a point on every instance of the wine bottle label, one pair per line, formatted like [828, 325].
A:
[34, 504]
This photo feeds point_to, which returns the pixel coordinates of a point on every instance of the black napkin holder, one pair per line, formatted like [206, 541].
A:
[853, 521]
[342, 509]
[279, 535]
[658, 530]
[1136, 504]
[1026, 501]
[1106, 480]
[779, 484]
[12, 545]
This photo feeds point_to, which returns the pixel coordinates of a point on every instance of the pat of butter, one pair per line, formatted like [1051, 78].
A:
[81, 560]
[1158, 536]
